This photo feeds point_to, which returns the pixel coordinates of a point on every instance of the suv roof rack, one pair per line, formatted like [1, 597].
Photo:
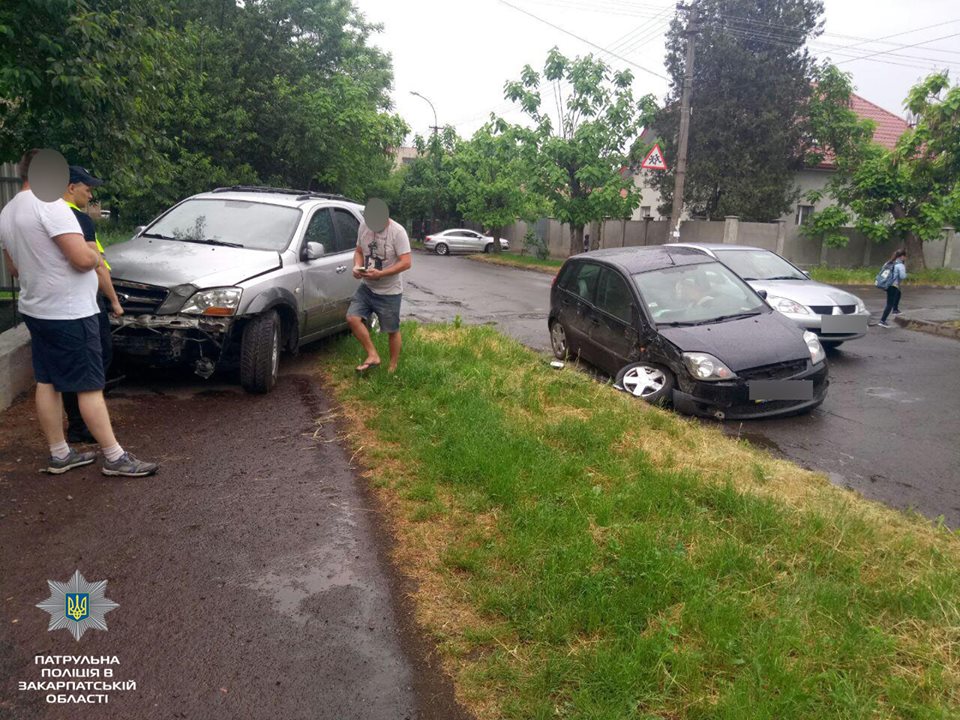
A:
[301, 194]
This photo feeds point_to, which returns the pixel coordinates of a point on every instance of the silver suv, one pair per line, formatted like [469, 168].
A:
[231, 278]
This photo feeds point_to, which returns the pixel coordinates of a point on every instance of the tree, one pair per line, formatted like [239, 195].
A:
[490, 179]
[909, 193]
[89, 79]
[578, 166]
[425, 190]
[751, 82]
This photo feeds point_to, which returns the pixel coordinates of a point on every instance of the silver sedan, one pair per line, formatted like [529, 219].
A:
[461, 240]
[833, 314]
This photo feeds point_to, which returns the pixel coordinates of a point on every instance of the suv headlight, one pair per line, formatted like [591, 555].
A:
[219, 301]
[817, 355]
[786, 305]
[704, 366]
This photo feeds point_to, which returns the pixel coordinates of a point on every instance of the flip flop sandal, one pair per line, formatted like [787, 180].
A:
[367, 366]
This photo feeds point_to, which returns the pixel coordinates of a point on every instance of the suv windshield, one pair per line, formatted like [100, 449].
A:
[697, 294]
[759, 265]
[243, 223]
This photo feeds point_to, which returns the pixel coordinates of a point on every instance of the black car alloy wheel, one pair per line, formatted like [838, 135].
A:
[646, 381]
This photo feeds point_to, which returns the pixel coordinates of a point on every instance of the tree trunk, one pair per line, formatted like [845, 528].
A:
[576, 239]
[914, 247]
[496, 240]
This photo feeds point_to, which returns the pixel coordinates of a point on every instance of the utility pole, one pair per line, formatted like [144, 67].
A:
[681, 172]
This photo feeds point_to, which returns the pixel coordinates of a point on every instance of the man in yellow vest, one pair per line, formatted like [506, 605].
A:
[78, 195]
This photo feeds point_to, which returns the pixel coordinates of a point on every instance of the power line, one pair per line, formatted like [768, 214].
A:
[903, 47]
[584, 40]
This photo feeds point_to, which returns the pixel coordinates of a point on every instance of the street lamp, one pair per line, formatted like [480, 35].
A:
[435, 127]
[436, 152]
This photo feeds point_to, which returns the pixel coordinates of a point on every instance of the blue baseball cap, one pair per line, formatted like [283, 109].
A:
[82, 175]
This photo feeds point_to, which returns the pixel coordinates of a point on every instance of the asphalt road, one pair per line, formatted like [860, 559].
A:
[250, 573]
[889, 428]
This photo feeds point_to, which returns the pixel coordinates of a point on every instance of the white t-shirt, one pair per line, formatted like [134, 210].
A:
[387, 246]
[50, 289]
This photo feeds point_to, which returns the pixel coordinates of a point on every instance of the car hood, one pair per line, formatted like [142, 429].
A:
[168, 263]
[740, 344]
[805, 292]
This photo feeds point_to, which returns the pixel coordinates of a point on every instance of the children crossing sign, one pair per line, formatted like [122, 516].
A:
[654, 160]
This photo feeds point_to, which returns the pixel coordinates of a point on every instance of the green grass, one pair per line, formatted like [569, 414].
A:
[580, 555]
[866, 276]
[525, 261]
[110, 234]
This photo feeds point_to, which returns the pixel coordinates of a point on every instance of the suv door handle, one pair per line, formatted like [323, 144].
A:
[342, 268]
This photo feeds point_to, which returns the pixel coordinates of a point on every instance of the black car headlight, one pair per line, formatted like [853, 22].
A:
[704, 366]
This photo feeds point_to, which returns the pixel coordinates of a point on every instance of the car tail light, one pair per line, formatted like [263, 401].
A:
[428, 238]
[554, 282]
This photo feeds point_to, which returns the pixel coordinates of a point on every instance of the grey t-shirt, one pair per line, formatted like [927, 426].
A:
[387, 246]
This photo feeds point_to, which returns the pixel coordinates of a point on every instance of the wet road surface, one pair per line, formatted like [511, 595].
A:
[250, 572]
[889, 428]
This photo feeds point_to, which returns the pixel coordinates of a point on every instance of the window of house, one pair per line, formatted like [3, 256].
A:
[645, 211]
[803, 214]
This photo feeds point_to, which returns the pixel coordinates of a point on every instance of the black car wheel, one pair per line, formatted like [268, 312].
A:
[647, 382]
[488, 248]
[260, 354]
[442, 249]
[558, 340]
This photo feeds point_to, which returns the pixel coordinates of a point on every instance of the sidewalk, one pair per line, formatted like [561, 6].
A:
[931, 310]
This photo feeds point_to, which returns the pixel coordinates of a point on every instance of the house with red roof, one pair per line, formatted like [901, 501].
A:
[889, 128]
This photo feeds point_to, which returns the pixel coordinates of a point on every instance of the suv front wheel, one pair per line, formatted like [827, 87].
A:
[260, 353]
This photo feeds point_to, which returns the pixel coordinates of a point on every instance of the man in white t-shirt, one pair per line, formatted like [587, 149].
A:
[383, 252]
[44, 247]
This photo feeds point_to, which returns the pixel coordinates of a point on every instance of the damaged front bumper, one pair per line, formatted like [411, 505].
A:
[171, 340]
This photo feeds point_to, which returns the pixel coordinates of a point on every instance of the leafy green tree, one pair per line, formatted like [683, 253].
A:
[909, 193]
[751, 82]
[89, 78]
[490, 179]
[425, 192]
[578, 165]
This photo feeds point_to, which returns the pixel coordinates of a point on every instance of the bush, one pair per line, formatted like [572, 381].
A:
[536, 244]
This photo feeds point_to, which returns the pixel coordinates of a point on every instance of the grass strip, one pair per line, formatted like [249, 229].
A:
[936, 277]
[579, 554]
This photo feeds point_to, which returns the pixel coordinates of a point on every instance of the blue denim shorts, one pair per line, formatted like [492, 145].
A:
[387, 307]
[67, 353]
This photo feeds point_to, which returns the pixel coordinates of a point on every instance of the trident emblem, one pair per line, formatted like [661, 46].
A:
[77, 606]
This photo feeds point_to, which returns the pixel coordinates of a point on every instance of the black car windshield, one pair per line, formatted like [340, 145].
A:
[697, 294]
[759, 265]
[253, 225]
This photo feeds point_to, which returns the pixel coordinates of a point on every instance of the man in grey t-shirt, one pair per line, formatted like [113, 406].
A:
[383, 252]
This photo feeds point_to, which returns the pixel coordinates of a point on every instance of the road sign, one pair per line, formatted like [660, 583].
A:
[654, 160]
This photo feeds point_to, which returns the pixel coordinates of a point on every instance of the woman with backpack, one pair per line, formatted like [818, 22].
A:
[893, 271]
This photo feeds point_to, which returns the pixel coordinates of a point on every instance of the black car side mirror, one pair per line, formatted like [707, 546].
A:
[762, 293]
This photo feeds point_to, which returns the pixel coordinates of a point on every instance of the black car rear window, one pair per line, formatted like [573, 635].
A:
[581, 279]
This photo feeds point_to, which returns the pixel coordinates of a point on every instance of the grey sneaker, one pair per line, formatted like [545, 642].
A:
[128, 466]
[884, 324]
[75, 459]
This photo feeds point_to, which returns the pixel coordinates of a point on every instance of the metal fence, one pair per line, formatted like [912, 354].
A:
[9, 186]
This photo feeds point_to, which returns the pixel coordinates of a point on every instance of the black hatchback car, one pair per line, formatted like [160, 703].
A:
[675, 326]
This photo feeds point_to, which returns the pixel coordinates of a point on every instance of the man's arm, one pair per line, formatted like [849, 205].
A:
[75, 249]
[105, 284]
[11, 265]
[404, 262]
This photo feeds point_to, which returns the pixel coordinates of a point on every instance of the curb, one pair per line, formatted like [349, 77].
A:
[529, 268]
[928, 327]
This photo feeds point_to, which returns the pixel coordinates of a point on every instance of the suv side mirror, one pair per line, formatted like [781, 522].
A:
[762, 293]
[139, 229]
[314, 250]
[806, 272]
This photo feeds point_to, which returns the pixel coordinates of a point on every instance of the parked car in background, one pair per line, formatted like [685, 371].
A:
[813, 305]
[231, 278]
[461, 240]
[674, 325]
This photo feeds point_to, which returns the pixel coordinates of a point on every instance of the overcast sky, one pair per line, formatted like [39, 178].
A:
[459, 54]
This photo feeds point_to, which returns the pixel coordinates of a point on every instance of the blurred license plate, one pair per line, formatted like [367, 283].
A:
[842, 324]
[763, 390]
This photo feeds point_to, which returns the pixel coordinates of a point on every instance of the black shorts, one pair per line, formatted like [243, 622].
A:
[67, 353]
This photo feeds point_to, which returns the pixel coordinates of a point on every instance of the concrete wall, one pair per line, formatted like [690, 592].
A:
[16, 369]
[781, 237]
